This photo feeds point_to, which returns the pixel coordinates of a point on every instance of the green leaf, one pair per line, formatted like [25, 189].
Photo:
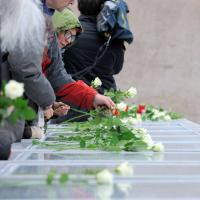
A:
[92, 146]
[36, 142]
[175, 115]
[50, 177]
[5, 102]
[140, 145]
[114, 141]
[28, 114]
[14, 116]
[64, 178]
[82, 144]
[128, 135]
[20, 103]
[135, 146]
[92, 171]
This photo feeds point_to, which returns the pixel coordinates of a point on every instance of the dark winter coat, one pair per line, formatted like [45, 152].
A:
[82, 55]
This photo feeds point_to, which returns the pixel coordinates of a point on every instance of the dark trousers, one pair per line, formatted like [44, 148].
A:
[5, 144]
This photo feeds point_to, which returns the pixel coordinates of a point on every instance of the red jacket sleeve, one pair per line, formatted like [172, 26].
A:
[77, 93]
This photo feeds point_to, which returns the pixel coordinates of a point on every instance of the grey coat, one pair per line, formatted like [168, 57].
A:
[25, 67]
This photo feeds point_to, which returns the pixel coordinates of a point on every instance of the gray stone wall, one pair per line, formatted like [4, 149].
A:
[164, 61]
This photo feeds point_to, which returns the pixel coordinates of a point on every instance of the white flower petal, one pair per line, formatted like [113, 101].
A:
[131, 92]
[125, 169]
[158, 147]
[96, 83]
[14, 89]
[104, 177]
[121, 106]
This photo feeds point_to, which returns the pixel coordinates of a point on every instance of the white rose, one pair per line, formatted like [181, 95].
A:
[148, 140]
[130, 121]
[121, 106]
[158, 147]
[131, 92]
[155, 111]
[13, 89]
[167, 118]
[161, 114]
[154, 117]
[155, 114]
[158, 115]
[134, 121]
[125, 169]
[124, 121]
[142, 130]
[104, 177]
[96, 83]
[139, 132]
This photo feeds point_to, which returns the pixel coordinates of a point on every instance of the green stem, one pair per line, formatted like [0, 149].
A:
[79, 111]
[75, 118]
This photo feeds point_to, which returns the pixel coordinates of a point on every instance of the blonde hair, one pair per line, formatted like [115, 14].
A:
[22, 25]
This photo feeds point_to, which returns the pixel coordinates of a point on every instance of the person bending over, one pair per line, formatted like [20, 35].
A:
[21, 54]
[66, 89]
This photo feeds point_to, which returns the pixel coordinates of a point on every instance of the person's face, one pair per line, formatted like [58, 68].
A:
[65, 38]
[59, 4]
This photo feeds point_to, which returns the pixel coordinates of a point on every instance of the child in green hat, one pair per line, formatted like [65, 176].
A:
[67, 26]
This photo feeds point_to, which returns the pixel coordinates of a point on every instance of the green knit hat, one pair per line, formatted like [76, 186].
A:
[65, 20]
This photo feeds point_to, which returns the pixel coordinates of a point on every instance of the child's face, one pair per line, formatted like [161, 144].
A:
[65, 38]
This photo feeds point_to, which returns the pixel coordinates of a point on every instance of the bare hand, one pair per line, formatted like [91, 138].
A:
[101, 100]
[60, 108]
[48, 113]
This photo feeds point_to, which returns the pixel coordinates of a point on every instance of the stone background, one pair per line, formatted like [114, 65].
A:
[163, 63]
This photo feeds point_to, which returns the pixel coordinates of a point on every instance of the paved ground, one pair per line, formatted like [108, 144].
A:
[174, 174]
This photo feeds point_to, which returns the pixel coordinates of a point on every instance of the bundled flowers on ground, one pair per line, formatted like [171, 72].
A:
[102, 176]
[119, 129]
[147, 112]
[104, 132]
